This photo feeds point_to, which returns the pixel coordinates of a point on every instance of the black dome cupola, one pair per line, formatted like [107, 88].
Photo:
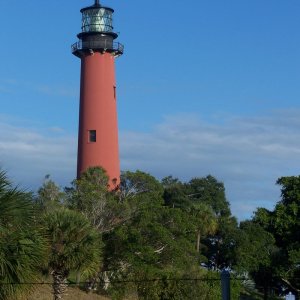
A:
[97, 31]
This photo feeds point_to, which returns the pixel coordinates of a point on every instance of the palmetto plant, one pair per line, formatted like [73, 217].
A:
[22, 248]
[75, 246]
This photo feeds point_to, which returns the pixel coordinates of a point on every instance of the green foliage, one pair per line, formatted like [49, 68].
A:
[177, 286]
[286, 216]
[236, 288]
[263, 217]
[155, 238]
[89, 190]
[175, 194]
[158, 240]
[254, 248]
[141, 187]
[205, 221]
[221, 245]
[286, 224]
[283, 223]
[49, 197]
[172, 285]
[205, 201]
[90, 196]
[290, 190]
[210, 192]
[151, 231]
[22, 249]
[74, 244]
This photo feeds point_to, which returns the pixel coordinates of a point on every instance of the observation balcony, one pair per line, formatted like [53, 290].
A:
[101, 45]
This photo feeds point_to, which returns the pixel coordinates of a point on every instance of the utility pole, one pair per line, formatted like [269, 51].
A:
[225, 282]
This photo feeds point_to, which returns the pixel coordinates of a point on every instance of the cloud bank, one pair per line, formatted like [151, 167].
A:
[247, 154]
[28, 154]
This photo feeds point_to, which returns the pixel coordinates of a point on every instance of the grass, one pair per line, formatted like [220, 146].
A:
[44, 292]
[256, 296]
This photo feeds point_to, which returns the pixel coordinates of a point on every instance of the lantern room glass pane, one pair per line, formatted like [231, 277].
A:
[97, 20]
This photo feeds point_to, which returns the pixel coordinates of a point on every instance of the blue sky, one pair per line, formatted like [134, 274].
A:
[204, 87]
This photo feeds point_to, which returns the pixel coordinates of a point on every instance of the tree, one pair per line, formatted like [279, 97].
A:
[205, 221]
[155, 239]
[208, 191]
[154, 242]
[74, 246]
[22, 248]
[49, 197]
[175, 194]
[254, 247]
[286, 224]
[211, 192]
[283, 224]
[140, 186]
[90, 196]
[220, 246]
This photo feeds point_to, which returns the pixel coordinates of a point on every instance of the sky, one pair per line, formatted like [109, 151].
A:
[204, 87]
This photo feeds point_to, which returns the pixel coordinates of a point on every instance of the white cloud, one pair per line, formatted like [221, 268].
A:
[247, 154]
[56, 90]
[28, 155]
[12, 86]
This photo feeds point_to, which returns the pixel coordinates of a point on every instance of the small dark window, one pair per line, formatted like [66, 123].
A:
[115, 92]
[92, 136]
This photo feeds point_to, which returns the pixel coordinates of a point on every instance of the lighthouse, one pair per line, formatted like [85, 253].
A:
[98, 126]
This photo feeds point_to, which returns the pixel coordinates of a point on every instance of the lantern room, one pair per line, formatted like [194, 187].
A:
[97, 19]
[97, 32]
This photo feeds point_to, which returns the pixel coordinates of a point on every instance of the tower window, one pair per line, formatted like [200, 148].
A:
[115, 92]
[92, 136]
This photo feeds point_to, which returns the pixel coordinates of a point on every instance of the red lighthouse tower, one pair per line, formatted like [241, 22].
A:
[98, 129]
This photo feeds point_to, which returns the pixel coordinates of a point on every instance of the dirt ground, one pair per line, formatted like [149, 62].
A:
[45, 293]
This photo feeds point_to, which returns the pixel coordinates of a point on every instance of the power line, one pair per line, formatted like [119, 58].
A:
[122, 281]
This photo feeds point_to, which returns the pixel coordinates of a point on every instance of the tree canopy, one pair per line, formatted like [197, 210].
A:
[150, 239]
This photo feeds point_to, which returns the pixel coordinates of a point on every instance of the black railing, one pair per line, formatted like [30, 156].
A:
[103, 45]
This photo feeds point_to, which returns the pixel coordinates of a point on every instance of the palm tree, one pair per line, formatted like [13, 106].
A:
[205, 221]
[75, 246]
[21, 246]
